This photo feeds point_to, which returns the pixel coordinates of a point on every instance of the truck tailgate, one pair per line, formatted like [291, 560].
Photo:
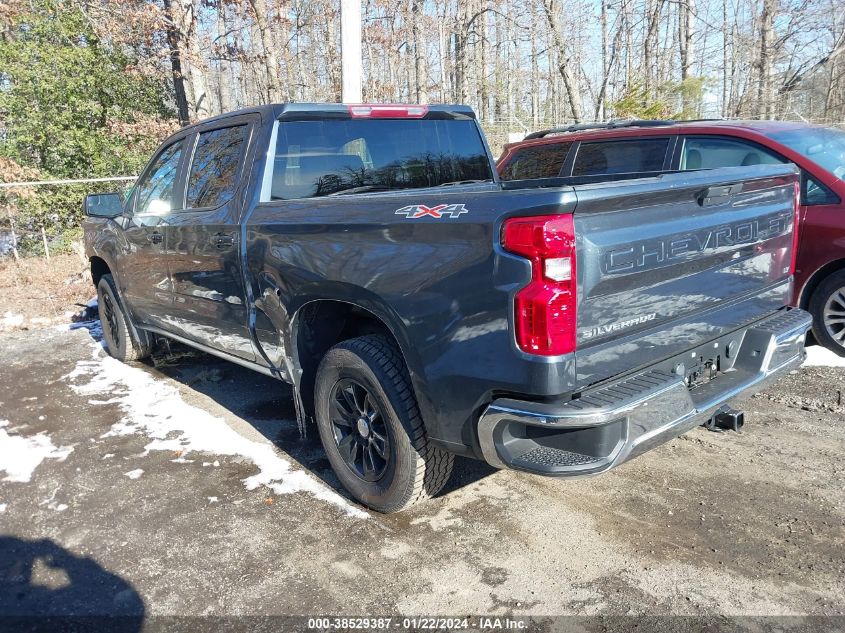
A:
[670, 262]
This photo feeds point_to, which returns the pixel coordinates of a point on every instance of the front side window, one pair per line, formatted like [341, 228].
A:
[541, 161]
[620, 157]
[321, 158]
[156, 188]
[216, 166]
[712, 153]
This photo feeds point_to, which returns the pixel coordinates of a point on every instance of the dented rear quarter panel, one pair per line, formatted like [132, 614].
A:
[442, 286]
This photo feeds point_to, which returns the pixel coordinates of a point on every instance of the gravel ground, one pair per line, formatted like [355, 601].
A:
[183, 487]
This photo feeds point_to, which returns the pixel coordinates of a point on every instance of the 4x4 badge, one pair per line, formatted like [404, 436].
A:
[413, 211]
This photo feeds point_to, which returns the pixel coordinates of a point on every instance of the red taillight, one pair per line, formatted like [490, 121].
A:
[795, 224]
[387, 111]
[544, 310]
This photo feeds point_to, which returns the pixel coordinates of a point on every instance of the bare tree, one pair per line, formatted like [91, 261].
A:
[569, 80]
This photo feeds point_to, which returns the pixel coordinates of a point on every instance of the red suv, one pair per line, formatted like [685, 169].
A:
[627, 148]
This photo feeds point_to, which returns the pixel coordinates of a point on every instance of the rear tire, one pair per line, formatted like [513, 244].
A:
[122, 341]
[371, 428]
[827, 305]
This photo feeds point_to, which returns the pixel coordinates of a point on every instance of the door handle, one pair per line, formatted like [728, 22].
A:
[155, 238]
[222, 240]
[718, 195]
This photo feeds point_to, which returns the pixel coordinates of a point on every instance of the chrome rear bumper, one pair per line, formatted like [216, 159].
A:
[614, 422]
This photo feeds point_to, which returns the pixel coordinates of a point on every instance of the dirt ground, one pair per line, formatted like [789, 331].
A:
[35, 291]
[183, 487]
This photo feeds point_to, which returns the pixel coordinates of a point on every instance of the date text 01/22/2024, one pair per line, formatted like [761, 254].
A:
[480, 623]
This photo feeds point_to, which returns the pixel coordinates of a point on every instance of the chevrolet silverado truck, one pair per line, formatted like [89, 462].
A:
[421, 308]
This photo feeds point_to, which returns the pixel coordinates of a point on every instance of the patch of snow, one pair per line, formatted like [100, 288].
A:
[156, 409]
[10, 319]
[2, 507]
[135, 474]
[107, 456]
[20, 456]
[213, 499]
[818, 356]
[58, 507]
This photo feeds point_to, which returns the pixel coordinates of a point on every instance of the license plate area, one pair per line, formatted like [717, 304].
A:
[702, 371]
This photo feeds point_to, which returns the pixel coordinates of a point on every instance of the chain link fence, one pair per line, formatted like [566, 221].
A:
[40, 218]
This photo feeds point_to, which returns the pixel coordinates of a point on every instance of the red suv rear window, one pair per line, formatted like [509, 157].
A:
[620, 157]
[539, 161]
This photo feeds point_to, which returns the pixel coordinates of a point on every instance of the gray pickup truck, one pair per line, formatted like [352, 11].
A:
[421, 308]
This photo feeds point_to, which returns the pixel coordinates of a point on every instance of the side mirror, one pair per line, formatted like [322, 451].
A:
[103, 205]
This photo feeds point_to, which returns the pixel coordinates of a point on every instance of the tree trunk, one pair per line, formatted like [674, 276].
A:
[484, 87]
[173, 43]
[686, 32]
[535, 73]
[441, 40]
[184, 22]
[420, 74]
[570, 83]
[649, 46]
[765, 105]
[224, 87]
[268, 50]
[460, 64]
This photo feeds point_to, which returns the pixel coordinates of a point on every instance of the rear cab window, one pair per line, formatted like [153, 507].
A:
[627, 156]
[330, 157]
[539, 161]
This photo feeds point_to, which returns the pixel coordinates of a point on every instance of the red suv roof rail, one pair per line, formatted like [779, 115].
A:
[610, 125]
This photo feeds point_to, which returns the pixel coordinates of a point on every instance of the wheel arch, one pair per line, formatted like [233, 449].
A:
[99, 267]
[816, 279]
[319, 324]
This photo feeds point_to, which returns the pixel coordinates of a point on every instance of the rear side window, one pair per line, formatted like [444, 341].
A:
[215, 168]
[321, 158]
[620, 157]
[711, 153]
[543, 161]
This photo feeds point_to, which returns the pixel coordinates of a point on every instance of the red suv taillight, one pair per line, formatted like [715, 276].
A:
[795, 224]
[544, 310]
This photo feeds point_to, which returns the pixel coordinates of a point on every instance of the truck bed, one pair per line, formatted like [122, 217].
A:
[445, 285]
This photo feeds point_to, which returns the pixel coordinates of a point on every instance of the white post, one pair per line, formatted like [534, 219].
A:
[44, 239]
[350, 50]
[14, 237]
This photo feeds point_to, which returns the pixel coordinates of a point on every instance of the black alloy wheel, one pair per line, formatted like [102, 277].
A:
[359, 430]
[111, 319]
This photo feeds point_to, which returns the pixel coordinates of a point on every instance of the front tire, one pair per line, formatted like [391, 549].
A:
[121, 340]
[371, 428]
[827, 306]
